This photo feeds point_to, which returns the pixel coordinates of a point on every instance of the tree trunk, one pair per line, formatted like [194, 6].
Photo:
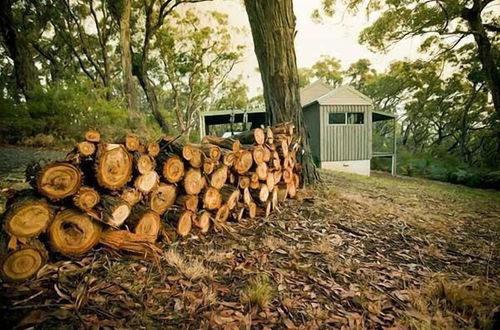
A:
[485, 51]
[126, 52]
[19, 51]
[273, 31]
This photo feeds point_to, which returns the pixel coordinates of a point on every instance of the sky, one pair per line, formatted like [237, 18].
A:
[337, 37]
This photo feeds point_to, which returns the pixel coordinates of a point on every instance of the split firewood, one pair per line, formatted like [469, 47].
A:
[209, 166]
[131, 242]
[72, 233]
[222, 214]
[113, 166]
[262, 171]
[59, 180]
[243, 182]
[86, 198]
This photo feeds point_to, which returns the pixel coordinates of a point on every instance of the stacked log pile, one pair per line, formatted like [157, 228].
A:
[124, 195]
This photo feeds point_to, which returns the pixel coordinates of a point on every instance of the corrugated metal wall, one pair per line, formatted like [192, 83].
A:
[311, 117]
[349, 141]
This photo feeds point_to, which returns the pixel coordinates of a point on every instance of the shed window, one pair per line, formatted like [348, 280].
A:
[355, 118]
[336, 118]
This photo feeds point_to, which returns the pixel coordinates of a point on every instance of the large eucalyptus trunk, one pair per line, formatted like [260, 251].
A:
[128, 78]
[273, 31]
[19, 50]
[490, 68]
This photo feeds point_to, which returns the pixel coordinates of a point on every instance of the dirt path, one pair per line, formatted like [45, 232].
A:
[352, 252]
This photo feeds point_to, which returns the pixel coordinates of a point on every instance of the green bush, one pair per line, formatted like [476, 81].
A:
[63, 111]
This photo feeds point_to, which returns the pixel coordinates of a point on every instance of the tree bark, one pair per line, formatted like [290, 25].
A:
[485, 52]
[273, 31]
[19, 51]
[126, 60]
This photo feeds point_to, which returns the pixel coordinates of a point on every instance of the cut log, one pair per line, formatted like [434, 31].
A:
[203, 221]
[28, 218]
[173, 169]
[252, 210]
[276, 161]
[212, 199]
[254, 181]
[270, 181]
[222, 214]
[209, 166]
[112, 211]
[211, 151]
[262, 171]
[193, 181]
[287, 175]
[255, 136]
[261, 194]
[86, 148]
[231, 195]
[277, 176]
[228, 158]
[131, 242]
[243, 182]
[153, 149]
[23, 264]
[182, 219]
[92, 136]
[162, 198]
[269, 136]
[132, 142]
[144, 163]
[243, 162]
[73, 233]
[131, 196]
[283, 128]
[86, 198]
[267, 154]
[219, 177]
[227, 143]
[145, 183]
[259, 154]
[114, 166]
[59, 180]
[193, 155]
[145, 222]
[188, 202]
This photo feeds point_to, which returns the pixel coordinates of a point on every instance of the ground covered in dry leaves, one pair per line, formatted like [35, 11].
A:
[353, 252]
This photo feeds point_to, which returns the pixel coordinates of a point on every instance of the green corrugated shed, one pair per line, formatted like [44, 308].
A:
[338, 142]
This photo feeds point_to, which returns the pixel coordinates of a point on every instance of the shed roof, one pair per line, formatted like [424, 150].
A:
[326, 95]
[312, 92]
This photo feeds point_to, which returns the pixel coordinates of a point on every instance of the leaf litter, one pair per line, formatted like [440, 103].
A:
[352, 253]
